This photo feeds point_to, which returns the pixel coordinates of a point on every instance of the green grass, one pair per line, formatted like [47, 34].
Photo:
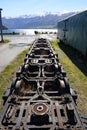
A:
[76, 72]
[9, 72]
[6, 40]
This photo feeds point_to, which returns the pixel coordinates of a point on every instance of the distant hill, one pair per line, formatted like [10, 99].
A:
[28, 22]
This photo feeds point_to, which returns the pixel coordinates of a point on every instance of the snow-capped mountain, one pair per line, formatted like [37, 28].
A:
[47, 20]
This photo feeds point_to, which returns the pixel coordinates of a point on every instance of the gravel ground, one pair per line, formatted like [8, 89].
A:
[18, 43]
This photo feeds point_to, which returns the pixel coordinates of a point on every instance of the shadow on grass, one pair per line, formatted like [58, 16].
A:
[73, 55]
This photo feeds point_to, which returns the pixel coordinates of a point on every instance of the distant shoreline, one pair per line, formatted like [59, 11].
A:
[29, 31]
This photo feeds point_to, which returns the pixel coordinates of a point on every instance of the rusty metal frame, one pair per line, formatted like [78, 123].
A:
[48, 87]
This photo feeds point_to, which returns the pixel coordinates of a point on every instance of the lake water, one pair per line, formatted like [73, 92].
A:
[29, 31]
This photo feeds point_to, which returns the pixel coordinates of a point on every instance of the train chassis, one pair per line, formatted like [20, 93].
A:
[40, 96]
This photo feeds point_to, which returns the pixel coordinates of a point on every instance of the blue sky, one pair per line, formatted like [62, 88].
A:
[13, 8]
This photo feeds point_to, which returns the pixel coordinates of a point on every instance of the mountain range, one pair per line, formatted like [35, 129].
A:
[32, 22]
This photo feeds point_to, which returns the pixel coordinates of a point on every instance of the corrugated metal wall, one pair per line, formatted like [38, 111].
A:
[73, 31]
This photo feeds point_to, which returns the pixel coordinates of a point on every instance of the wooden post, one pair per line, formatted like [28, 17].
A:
[1, 26]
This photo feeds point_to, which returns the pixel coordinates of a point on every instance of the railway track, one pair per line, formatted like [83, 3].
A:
[40, 96]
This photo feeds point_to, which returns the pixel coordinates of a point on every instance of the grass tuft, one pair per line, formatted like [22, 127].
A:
[6, 40]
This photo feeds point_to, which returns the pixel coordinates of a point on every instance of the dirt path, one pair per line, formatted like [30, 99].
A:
[18, 43]
[9, 51]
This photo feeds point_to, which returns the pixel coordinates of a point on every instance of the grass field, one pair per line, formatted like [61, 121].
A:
[76, 72]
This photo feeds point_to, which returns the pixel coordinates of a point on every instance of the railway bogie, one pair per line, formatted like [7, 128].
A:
[40, 96]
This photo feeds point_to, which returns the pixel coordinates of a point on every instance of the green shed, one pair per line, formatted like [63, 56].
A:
[73, 31]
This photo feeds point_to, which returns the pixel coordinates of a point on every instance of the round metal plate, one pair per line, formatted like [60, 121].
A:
[40, 109]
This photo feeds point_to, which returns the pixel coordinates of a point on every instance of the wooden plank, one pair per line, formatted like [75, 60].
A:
[43, 126]
[60, 121]
[53, 116]
[19, 119]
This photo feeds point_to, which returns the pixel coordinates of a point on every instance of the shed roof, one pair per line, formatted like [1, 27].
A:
[72, 15]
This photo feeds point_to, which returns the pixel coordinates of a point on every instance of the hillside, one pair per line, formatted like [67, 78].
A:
[28, 22]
